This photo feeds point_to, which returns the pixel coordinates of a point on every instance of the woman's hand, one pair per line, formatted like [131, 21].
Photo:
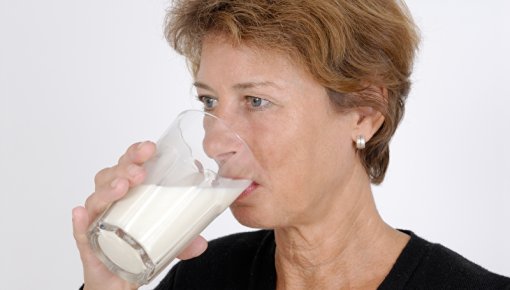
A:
[112, 184]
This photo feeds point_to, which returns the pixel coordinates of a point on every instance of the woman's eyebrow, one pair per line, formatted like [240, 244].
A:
[240, 86]
[250, 85]
[202, 86]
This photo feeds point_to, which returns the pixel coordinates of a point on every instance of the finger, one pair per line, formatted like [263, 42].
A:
[138, 153]
[134, 174]
[80, 228]
[194, 249]
[105, 176]
[104, 196]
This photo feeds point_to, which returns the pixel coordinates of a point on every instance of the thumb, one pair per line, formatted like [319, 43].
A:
[194, 249]
[80, 228]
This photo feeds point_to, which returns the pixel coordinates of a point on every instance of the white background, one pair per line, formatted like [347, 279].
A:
[81, 80]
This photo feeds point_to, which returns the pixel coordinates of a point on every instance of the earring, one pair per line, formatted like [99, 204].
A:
[360, 142]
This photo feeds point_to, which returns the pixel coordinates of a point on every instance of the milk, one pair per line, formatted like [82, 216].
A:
[160, 221]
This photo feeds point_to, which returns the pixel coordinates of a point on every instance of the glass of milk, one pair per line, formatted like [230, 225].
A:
[201, 166]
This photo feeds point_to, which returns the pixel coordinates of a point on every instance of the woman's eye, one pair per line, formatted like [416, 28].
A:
[209, 102]
[256, 102]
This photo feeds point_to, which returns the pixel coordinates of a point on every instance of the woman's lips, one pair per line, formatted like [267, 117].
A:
[248, 190]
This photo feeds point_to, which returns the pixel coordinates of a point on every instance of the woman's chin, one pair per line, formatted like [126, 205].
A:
[251, 217]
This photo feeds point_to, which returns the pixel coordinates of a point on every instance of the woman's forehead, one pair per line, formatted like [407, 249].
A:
[247, 62]
[256, 49]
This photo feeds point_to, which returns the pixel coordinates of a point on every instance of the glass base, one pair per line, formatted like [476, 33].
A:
[121, 254]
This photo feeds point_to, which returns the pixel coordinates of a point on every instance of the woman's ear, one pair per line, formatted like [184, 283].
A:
[368, 119]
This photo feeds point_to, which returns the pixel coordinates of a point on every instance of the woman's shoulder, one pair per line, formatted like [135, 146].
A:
[230, 262]
[426, 265]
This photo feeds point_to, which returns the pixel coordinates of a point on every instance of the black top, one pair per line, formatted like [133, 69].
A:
[246, 261]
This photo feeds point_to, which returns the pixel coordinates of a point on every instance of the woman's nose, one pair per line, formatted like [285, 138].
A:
[220, 142]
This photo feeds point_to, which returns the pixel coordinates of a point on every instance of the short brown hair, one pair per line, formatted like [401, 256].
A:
[348, 46]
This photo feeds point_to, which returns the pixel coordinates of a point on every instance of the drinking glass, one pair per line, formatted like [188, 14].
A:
[200, 167]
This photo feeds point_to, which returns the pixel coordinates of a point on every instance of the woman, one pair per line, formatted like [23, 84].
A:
[316, 89]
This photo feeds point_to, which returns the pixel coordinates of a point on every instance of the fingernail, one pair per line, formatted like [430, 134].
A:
[114, 183]
[133, 170]
[140, 145]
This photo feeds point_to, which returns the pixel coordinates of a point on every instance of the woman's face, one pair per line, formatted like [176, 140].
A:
[304, 148]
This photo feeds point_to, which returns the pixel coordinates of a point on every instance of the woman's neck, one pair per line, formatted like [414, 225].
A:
[351, 247]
